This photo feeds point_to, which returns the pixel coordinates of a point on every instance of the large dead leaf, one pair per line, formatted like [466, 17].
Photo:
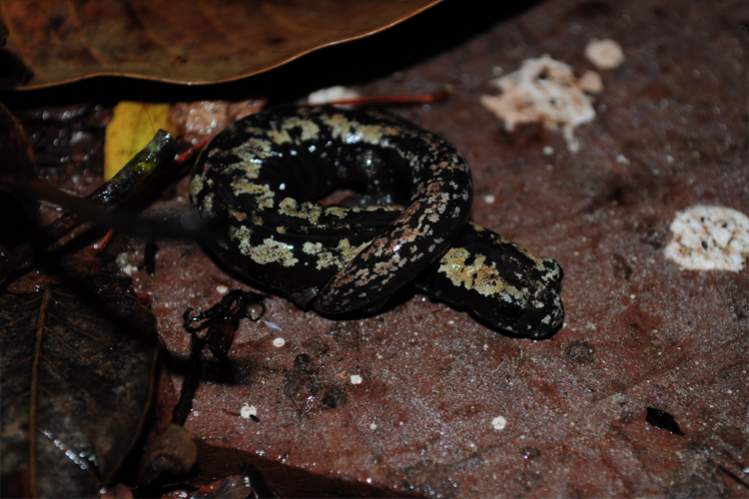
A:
[182, 42]
[77, 372]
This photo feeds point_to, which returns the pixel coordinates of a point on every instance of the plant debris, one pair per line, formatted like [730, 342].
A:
[78, 372]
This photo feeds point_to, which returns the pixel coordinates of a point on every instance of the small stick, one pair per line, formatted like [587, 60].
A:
[438, 96]
[182, 157]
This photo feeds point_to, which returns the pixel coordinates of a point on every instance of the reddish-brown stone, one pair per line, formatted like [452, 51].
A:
[639, 332]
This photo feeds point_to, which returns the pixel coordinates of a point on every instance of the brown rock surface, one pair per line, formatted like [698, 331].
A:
[446, 407]
[670, 132]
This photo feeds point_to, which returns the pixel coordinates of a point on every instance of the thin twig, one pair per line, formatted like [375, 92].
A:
[34, 392]
[438, 96]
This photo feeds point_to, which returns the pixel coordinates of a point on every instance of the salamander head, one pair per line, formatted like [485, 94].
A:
[502, 284]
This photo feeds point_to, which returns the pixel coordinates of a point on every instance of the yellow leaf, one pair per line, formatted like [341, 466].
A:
[132, 127]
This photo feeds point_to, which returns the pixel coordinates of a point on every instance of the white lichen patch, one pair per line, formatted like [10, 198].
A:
[709, 238]
[605, 54]
[356, 379]
[330, 94]
[544, 91]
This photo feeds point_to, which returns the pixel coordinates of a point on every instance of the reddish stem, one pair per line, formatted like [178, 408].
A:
[182, 157]
[438, 96]
[102, 243]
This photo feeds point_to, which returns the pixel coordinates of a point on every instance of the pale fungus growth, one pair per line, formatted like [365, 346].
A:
[544, 91]
[709, 238]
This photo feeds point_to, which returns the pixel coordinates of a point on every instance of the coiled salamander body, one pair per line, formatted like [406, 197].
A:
[261, 179]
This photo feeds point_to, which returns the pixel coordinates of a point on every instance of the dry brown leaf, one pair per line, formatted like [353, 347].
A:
[78, 365]
[181, 42]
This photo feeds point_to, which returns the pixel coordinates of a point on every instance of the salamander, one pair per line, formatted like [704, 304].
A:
[260, 182]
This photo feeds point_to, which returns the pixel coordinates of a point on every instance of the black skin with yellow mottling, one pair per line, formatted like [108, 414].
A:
[260, 181]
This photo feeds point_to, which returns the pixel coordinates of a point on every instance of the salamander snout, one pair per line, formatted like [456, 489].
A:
[535, 310]
[544, 316]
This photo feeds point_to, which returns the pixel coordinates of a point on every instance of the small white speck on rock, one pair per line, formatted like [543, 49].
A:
[591, 82]
[221, 289]
[499, 423]
[489, 199]
[247, 411]
[123, 262]
[279, 342]
[548, 150]
[605, 54]
[356, 379]
[373, 426]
